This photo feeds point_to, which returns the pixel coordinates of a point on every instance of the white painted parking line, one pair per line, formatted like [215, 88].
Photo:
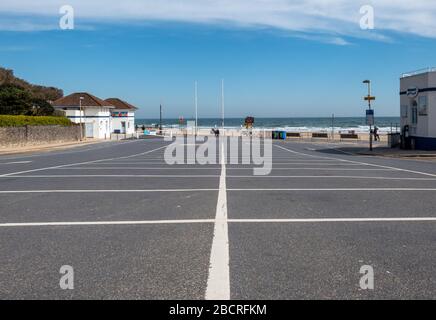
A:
[17, 162]
[105, 191]
[331, 177]
[407, 219]
[103, 223]
[78, 163]
[142, 162]
[362, 163]
[117, 176]
[288, 162]
[314, 163]
[288, 168]
[296, 168]
[207, 221]
[212, 176]
[218, 283]
[208, 190]
[143, 168]
[332, 189]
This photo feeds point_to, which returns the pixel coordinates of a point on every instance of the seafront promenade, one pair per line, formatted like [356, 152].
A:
[132, 226]
[344, 135]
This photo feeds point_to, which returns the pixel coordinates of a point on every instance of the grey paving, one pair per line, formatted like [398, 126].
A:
[286, 260]
[322, 261]
[121, 262]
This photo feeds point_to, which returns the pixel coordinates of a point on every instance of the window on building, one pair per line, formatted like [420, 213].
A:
[404, 111]
[422, 106]
[414, 112]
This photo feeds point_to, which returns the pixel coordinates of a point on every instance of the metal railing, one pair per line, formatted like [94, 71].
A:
[417, 72]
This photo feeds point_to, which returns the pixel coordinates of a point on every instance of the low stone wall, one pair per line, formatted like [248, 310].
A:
[37, 135]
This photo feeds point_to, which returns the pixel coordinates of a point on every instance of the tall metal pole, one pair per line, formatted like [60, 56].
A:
[369, 114]
[370, 124]
[160, 119]
[81, 125]
[222, 103]
[333, 126]
[196, 109]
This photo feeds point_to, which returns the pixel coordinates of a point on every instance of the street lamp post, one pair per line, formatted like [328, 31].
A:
[196, 110]
[369, 98]
[81, 124]
[222, 104]
[160, 119]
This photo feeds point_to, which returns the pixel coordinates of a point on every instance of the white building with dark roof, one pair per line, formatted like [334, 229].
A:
[94, 113]
[123, 116]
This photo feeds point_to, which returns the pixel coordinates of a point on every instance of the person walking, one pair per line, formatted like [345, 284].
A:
[376, 135]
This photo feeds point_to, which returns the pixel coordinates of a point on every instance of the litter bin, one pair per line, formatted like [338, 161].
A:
[279, 135]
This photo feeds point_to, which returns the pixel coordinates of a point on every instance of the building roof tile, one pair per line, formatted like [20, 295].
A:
[120, 104]
[89, 100]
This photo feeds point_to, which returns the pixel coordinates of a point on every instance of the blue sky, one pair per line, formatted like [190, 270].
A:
[269, 70]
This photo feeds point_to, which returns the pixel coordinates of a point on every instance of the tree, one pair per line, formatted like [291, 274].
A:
[18, 97]
[14, 100]
[41, 107]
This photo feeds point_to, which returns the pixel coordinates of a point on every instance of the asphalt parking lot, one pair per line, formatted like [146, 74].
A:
[133, 227]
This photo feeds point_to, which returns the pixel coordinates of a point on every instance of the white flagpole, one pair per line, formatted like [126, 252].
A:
[222, 103]
[196, 109]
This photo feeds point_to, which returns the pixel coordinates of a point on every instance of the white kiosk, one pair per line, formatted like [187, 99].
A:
[418, 109]
[123, 116]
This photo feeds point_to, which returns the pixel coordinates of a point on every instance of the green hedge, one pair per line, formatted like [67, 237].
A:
[19, 121]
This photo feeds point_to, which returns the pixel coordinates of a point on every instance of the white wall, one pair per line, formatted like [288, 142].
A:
[129, 120]
[98, 117]
[426, 124]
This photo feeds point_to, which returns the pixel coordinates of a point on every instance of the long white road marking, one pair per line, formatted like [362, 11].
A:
[83, 148]
[329, 177]
[289, 168]
[207, 221]
[332, 189]
[118, 165]
[17, 162]
[315, 163]
[315, 220]
[104, 191]
[135, 165]
[136, 161]
[79, 163]
[359, 162]
[213, 176]
[218, 283]
[118, 176]
[143, 168]
[299, 168]
[207, 190]
[104, 223]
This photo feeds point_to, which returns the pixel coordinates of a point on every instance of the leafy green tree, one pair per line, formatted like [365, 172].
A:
[41, 107]
[15, 100]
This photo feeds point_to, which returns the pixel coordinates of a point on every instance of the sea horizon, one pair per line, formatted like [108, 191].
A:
[299, 124]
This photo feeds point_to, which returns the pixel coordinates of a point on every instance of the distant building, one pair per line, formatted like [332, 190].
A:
[95, 114]
[418, 109]
[123, 116]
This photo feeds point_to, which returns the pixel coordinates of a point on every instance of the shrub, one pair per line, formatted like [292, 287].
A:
[19, 121]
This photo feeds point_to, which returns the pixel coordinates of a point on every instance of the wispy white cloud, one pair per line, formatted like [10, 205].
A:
[8, 48]
[329, 20]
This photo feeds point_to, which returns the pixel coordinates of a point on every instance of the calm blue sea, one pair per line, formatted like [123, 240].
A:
[290, 124]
